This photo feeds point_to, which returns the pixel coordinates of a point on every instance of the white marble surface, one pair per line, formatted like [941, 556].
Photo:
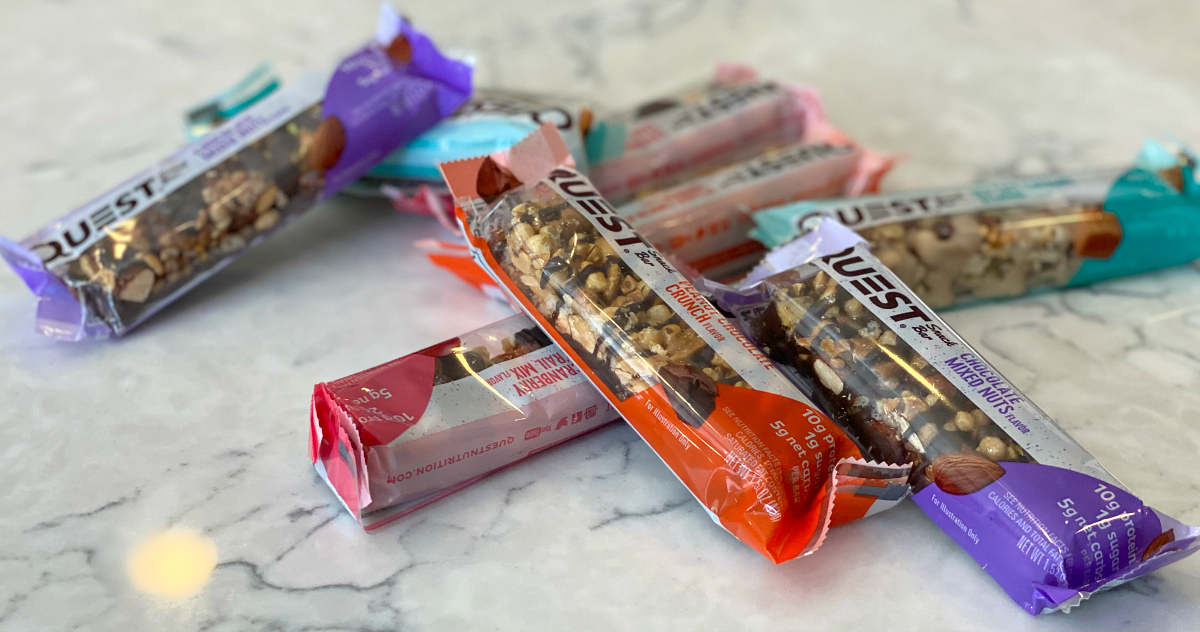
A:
[199, 419]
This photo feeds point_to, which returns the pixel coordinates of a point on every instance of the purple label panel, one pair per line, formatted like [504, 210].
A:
[1044, 533]
[383, 105]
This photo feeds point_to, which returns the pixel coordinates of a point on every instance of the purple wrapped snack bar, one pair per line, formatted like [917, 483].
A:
[1031, 505]
[114, 262]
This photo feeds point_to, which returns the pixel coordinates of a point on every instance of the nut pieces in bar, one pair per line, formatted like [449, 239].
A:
[147, 259]
[996, 253]
[577, 281]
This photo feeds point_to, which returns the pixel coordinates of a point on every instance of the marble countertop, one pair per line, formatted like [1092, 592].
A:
[199, 419]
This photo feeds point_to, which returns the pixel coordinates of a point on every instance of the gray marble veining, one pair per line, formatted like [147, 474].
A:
[199, 418]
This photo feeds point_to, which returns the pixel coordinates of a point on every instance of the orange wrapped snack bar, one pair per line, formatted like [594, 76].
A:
[748, 444]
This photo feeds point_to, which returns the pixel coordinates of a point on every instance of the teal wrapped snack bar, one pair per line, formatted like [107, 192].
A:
[1006, 238]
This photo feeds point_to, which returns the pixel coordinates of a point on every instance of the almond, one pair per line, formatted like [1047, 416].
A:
[1163, 539]
[1098, 235]
[266, 200]
[327, 144]
[137, 286]
[963, 473]
[399, 51]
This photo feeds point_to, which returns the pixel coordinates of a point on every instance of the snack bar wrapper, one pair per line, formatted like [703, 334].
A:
[111, 264]
[662, 142]
[753, 449]
[704, 221]
[492, 120]
[1005, 238]
[401, 435]
[1033, 507]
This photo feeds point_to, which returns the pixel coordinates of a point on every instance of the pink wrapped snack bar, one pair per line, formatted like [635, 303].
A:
[401, 435]
[705, 221]
[667, 140]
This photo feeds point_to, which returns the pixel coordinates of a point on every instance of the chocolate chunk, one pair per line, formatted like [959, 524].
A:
[458, 365]
[692, 393]
[533, 337]
[550, 214]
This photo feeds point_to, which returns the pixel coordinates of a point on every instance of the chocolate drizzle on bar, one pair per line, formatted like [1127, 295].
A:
[892, 401]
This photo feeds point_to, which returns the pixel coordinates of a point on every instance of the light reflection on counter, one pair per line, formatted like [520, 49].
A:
[175, 563]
